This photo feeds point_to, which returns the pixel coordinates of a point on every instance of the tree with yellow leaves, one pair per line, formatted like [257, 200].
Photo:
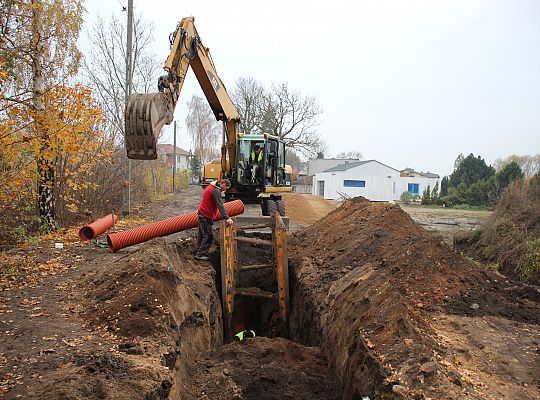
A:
[40, 55]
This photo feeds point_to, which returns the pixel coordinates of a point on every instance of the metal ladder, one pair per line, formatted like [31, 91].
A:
[230, 270]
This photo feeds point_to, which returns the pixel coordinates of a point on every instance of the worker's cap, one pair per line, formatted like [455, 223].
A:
[257, 147]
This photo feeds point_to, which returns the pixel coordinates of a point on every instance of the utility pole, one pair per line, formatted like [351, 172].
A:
[174, 157]
[127, 190]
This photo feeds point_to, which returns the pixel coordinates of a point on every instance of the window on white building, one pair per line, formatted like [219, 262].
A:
[413, 188]
[353, 183]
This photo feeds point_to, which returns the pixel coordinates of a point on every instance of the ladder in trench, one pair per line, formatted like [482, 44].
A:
[230, 270]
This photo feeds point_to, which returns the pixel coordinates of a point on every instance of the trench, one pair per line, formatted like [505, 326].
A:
[297, 359]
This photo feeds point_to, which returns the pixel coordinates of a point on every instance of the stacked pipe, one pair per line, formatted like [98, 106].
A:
[97, 227]
[166, 227]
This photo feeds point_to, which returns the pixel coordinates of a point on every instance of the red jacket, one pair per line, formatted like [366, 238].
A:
[211, 202]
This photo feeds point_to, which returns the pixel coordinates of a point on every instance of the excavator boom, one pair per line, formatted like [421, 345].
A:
[146, 114]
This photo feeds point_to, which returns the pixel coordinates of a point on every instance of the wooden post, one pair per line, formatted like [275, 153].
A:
[229, 261]
[279, 235]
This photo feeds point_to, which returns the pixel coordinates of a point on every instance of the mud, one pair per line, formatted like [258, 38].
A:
[369, 284]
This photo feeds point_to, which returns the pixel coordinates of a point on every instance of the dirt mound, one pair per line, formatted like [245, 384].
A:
[160, 309]
[368, 282]
[306, 208]
[262, 369]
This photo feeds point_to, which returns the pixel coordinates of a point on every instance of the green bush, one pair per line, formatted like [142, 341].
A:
[407, 197]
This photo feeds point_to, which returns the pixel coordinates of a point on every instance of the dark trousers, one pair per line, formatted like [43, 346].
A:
[204, 236]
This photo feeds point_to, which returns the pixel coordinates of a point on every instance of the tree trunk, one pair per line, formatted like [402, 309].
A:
[45, 161]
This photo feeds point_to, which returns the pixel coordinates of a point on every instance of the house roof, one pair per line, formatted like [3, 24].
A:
[169, 149]
[428, 174]
[346, 166]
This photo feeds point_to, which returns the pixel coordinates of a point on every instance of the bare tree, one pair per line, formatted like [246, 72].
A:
[105, 66]
[292, 117]
[248, 95]
[351, 155]
[280, 111]
[203, 129]
[530, 164]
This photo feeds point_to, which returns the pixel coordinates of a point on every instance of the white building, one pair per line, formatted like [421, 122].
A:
[182, 156]
[371, 179]
[321, 164]
[416, 182]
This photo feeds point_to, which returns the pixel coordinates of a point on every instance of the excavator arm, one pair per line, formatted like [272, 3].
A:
[147, 113]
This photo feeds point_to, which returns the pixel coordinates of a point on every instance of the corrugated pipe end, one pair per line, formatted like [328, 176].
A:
[86, 233]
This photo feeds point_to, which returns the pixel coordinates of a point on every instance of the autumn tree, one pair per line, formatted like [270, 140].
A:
[203, 129]
[39, 40]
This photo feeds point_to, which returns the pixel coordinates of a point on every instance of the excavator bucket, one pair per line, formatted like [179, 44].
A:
[145, 116]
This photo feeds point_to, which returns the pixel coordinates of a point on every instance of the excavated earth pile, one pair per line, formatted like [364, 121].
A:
[396, 312]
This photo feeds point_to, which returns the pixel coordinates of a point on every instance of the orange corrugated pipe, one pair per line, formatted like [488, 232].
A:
[97, 227]
[166, 227]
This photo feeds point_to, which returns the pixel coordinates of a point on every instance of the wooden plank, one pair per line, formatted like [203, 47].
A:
[255, 292]
[255, 267]
[254, 226]
[254, 241]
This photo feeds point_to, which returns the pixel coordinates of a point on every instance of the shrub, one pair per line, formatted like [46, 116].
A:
[407, 197]
[511, 236]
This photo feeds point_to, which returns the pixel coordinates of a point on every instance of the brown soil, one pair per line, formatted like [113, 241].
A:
[305, 209]
[262, 369]
[132, 325]
[388, 305]
[371, 289]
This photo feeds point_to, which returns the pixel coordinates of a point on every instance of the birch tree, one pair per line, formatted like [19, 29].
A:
[39, 40]
[203, 129]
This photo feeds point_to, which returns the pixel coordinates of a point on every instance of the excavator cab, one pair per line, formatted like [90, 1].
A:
[260, 169]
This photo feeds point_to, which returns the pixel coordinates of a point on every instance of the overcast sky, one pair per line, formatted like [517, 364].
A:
[409, 83]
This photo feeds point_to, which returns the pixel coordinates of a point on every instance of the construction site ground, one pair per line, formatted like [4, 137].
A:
[380, 307]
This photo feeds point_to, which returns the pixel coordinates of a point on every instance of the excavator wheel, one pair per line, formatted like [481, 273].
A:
[280, 207]
[272, 207]
[145, 116]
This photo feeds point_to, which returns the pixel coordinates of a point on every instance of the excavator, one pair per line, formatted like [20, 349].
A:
[146, 114]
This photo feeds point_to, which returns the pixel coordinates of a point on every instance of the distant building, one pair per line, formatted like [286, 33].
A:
[182, 156]
[368, 178]
[371, 179]
[416, 182]
[303, 182]
[321, 164]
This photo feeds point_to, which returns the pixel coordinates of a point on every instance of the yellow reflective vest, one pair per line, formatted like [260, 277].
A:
[255, 158]
[244, 334]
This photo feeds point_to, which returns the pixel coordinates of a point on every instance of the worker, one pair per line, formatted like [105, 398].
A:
[243, 335]
[255, 164]
[208, 210]
[256, 155]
